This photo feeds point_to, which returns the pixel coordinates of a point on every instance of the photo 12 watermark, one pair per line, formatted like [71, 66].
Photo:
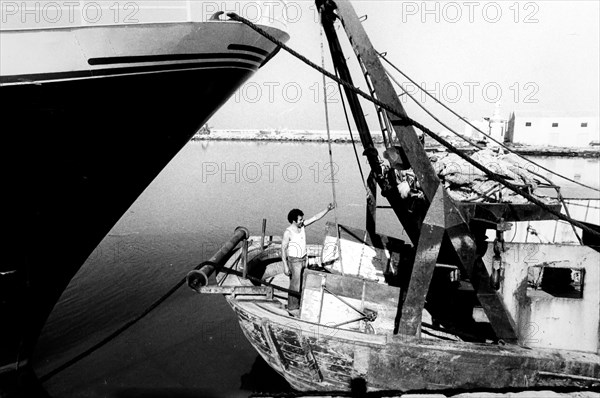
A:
[269, 172]
[290, 92]
[470, 11]
[69, 12]
[472, 92]
[293, 92]
[288, 12]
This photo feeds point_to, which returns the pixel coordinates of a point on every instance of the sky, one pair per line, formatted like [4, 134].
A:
[540, 56]
[526, 55]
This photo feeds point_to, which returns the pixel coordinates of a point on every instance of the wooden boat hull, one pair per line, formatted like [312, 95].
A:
[315, 357]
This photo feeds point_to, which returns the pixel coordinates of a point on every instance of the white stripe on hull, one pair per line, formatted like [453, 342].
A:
[70, 50]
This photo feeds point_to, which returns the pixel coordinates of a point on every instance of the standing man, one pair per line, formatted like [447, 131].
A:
[293, 251]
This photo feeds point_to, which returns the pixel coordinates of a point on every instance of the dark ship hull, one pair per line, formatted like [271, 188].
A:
[83, 144]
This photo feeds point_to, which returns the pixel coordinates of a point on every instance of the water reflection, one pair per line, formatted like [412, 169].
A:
[180, 220]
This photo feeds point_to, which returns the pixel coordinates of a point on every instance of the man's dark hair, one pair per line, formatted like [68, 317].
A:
[293, 215]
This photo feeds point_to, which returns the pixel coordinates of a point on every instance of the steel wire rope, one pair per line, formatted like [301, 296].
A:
[476, 128]
[428, 111]
[362, 175]
[335, 217]
[410, 122]
[558, 194]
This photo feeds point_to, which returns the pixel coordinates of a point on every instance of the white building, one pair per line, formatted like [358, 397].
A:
[498, 126]
[553, 129]
[495, 126]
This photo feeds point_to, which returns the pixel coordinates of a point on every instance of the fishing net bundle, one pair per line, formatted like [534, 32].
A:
[465, 183]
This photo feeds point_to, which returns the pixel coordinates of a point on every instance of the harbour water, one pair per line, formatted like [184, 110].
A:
[191, 345]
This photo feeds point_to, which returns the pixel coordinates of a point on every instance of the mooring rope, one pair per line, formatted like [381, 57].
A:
[335, 217]
[113, 335]
[410, 122]
[475, 127]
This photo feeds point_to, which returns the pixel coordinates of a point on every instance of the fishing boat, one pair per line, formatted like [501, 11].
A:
[455, 306]
[92, 112]
[346, 333]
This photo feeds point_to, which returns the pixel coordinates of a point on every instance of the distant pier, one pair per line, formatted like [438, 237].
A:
[343, 137]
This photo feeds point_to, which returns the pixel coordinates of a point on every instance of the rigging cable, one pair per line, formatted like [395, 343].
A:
[558, 193]
[381, 117]
[368, 192]
[362, 175]
[429, 112]
[335, 218]
[477, 129]
[408, 121]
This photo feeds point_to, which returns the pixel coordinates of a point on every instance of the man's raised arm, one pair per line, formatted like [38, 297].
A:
[319, 215]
